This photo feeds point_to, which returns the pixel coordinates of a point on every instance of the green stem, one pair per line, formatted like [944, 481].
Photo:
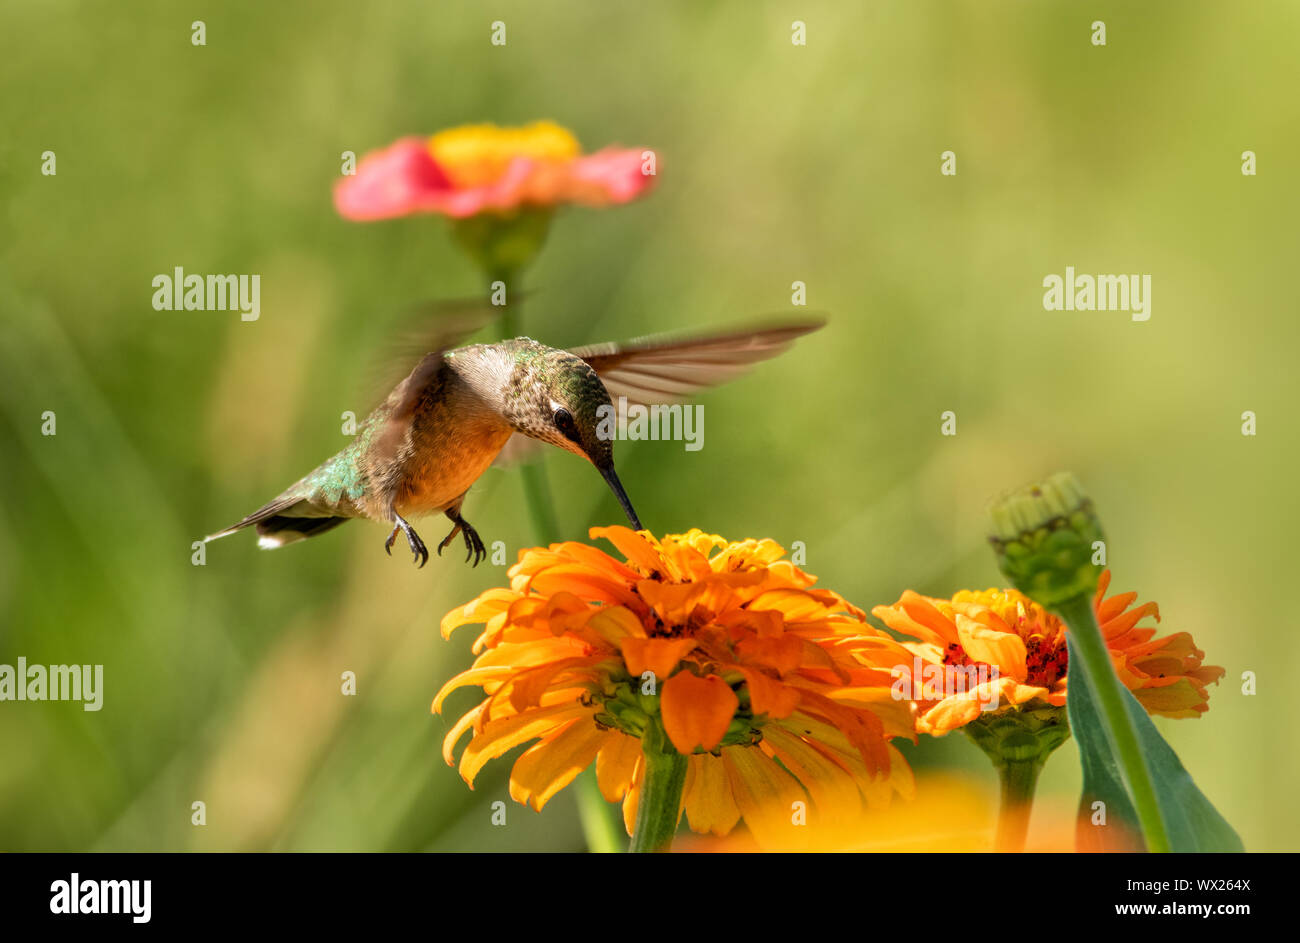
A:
[537, 491]
[600, 822]
[1019, 778]
[602, 827]
[659, 805]
[1091, 648]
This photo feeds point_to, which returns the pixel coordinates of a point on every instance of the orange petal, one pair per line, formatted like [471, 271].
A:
[659, 655]
[549, 766]
[769, 696]
[631, 800]
[639, 551]
[502, 735]
[527, 687]
[616, 765]
[584, 582]
[795, 605]
[784, 653]
[615, 623]
[918, 615]
[697, 711]
[672, 602]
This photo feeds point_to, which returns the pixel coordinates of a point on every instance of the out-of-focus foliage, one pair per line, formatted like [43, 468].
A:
[816, 163]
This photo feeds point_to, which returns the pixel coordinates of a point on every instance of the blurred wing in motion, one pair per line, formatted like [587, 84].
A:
[665, 368]
[442, 325]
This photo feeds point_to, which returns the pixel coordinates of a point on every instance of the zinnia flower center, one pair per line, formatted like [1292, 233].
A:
[477, 155]
[1046, 661]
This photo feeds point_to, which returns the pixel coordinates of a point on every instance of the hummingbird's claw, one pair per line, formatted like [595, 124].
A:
[447, 540]
[473, 543]
[418, 550]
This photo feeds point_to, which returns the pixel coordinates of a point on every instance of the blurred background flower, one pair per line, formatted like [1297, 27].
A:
[482, 168]
[948, 813]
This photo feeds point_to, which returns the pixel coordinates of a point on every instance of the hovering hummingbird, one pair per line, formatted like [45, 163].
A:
[421, 449]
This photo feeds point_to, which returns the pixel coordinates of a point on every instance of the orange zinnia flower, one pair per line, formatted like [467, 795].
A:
[776, 692]
[1006, 630]
[482, 168]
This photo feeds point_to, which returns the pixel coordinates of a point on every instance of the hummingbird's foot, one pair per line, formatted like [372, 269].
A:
[473, 543]
[418, 549]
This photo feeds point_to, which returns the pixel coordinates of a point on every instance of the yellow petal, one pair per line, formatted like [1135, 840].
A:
[505, 733]
[547, 767]
[474, 676]
[707, 798]
[1004, 649]
[616, 764]
[830, 786]
[765, 795]
[491, 603]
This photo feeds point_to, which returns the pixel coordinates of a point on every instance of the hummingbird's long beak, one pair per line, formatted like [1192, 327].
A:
[616, 486]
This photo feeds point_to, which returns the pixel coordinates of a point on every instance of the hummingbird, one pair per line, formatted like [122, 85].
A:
[421, 450]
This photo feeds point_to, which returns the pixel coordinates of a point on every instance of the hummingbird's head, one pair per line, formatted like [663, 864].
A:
[557, 397]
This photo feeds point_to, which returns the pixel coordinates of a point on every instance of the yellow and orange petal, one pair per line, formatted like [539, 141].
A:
[1003, 629]
[778, 693]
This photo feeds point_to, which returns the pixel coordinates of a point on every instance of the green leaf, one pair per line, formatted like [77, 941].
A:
[1193, 823]
[1102, 781]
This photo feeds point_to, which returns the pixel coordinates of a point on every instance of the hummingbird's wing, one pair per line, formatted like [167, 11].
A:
[665, 368]
[455, 321]
[436, 326]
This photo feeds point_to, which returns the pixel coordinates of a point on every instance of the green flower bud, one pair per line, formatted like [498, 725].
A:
[1027, 734]
[503, 242]
[1044, 535]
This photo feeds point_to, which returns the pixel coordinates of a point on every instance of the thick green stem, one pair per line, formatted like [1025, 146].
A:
[1091, 649]
[659, 805]
[1019, 778]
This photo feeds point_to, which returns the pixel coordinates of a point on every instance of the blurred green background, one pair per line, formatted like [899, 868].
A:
[778, 163]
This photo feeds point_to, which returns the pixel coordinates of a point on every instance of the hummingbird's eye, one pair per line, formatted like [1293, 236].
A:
[568, 428]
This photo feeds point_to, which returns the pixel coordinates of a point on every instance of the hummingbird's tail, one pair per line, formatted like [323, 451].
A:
[284, 521]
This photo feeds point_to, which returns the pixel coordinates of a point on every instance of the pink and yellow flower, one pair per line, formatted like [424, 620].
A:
[475, 169]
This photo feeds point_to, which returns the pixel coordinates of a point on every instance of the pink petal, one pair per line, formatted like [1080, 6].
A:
[616, 171]
[400, 179]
